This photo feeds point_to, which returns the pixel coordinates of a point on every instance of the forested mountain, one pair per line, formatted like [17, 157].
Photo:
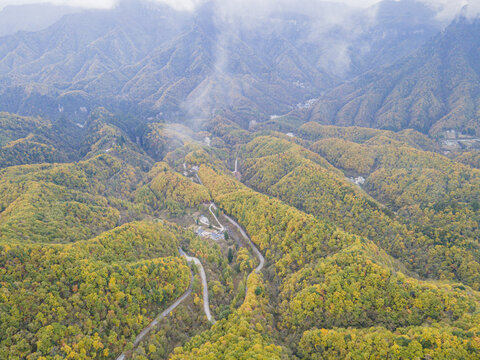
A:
[176, 64]
[90, 309]
[156, 204]
[399, 28]
[433, 90]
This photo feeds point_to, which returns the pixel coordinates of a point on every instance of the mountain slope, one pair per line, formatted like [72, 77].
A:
[148, 58]
[435, 89]
[151, 56]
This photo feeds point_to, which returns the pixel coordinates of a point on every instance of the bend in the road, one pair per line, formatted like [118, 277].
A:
[255, 250]
[220, 227]
[203, 276]
[154, 323]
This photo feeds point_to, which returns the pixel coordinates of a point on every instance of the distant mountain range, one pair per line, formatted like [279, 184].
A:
[149, 59]
[14, 18]
[433, 90]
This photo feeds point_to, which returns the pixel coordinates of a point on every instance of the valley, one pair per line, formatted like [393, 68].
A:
[232, 180]
[274, 248]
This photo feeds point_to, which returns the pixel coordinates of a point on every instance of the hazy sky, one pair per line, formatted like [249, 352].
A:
[81, 3]
[446, 8]
[184, 4]
[187, 4]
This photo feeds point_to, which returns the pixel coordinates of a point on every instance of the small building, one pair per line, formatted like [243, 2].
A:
[360, 180]
[214, 235]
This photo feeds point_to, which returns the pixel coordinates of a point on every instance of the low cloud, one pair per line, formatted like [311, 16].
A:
[446, 9]
[333, 27]
[92, 4]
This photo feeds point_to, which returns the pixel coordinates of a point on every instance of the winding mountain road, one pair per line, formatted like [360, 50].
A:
[203, 276]
[258, 254]
[255, 250]
[154, 323]
[206, 303]
[220, 227]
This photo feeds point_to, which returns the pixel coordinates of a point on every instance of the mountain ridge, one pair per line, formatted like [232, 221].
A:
[434, 90]
[153, 60]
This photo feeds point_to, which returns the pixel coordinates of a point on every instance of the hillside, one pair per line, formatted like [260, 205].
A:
[174, 65]
[395, 257]
[238, 180]
[433, 90]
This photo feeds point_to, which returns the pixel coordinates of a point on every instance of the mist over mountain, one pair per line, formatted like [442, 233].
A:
[432, 90]
[399, 28]
[240, 179]
[33, 17]
[148, 58]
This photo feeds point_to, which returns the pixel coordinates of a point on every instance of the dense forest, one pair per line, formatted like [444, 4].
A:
[411, 229]
[87, 299]
[90, 242]
[239, 180]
